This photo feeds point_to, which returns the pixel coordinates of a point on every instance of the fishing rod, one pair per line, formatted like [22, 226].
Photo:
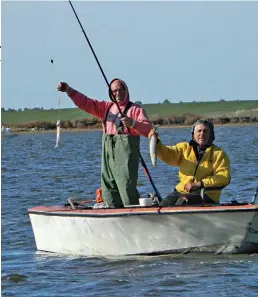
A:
[115, 101]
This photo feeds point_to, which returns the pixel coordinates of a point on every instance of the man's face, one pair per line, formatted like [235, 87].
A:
[118, 90]
[201, 134]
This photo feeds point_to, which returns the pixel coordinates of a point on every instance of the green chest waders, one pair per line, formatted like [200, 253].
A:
[119, 171]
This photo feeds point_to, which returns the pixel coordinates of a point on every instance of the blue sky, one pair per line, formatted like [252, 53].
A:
[181, 51]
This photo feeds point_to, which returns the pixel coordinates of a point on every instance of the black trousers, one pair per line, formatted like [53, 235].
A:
[177, 198]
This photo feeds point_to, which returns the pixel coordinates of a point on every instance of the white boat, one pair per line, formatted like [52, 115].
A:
[134, 230]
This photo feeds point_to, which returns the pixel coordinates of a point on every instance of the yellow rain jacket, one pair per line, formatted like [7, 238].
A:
[213, 169]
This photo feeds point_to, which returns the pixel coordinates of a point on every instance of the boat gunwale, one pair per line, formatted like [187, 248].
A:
[111, 212]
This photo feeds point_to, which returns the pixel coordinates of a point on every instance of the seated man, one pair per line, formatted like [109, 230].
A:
[201, 164]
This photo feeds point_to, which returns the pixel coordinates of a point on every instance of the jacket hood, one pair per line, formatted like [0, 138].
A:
[127, 96]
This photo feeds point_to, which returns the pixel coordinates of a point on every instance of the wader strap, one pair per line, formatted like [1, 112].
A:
[129, 104]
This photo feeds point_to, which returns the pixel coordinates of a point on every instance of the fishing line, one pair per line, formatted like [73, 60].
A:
[114, 100]
[59, 178]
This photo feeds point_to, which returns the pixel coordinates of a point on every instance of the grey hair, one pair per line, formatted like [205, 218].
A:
[207, 123]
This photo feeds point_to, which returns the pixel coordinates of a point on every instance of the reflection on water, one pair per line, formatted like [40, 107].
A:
[34, 173]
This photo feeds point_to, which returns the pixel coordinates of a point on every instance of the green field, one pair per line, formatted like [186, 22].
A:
[203, 109]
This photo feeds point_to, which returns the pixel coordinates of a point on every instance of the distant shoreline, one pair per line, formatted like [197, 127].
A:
[17, 131]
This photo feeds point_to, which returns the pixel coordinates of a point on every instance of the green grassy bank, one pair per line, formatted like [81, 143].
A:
[203, 109]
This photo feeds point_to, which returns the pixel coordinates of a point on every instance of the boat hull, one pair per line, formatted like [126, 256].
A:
[154, 230]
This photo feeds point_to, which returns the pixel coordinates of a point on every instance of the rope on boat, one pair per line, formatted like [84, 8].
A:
[78, 204]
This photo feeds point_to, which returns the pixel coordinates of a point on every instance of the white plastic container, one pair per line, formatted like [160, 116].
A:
[145, 201]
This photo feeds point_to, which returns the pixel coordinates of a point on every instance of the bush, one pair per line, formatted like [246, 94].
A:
[190, 118]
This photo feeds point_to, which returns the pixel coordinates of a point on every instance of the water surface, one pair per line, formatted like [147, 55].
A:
[34, 173]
